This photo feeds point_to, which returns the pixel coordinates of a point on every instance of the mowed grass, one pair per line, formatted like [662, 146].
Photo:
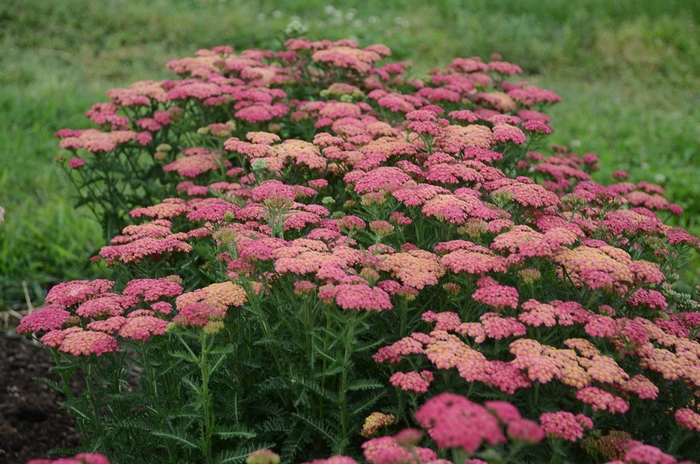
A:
[628, 71]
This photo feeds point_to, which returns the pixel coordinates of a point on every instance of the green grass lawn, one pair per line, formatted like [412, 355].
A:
[628, 71]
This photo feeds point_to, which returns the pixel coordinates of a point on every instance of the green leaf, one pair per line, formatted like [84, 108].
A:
[180, 438]
[233, 432]
[329, 436]
[365, 384]
[358, 407]
[185, 355]
[197, 389]
[59, 387]
[240, 454]
[320, 391]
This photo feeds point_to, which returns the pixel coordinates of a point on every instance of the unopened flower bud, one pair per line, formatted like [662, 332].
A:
[220, 130]
[530, 275]
[381, 228]
[159, 155]
[502, 198]
[259, 165]
[263, 456]
[213, 327]
[373, 198]
[164, 147]
[452, 288]
[371, 275]
[229, 216]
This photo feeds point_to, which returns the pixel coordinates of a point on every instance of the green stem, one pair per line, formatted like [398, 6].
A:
[208, 423]
[68, 391]
[91, 396]
[154, 393]
[343, 387]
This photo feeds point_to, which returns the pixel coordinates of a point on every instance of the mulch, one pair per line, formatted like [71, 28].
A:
[31, 420]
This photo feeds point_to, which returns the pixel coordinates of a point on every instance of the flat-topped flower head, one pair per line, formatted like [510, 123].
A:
[198, 314]
[647, 299]
[104, 305]
[80, 458]
[135, 251]
[211, 209]
[450, 352]
[383, 178]
[527, 242]
[479, 261]
[647, 454]
[413, 194]
[197, 163]
[275, 192]
[604, 369]
[504, 411]
[525, 431]
[446, 320]
[453, 421]
[376, 421]
[592, 265]
[688, 419]
[111, 325]
[334, 460]
[394, 353]
[497, 296]
[386, 450]
[265, 138]
[218, 295]
[642, 387]
[167, 209]
[601, 400]
[497, 327]
[70, 293]
[412, 381]
[561, 424]
[415, 268]
[356, 296]
[94, 140]
[50, 317]
[154, 289]
[503, 133]
[142, 328]
[79, 342]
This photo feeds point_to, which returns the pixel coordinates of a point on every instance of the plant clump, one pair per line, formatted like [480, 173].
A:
[312, 253]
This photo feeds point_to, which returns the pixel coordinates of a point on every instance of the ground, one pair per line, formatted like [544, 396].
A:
[31, 420]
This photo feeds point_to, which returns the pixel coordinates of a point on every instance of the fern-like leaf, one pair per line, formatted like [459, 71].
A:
[234, 432]
[365, 384]
[241, 453]
[51, 384]
[177, 437]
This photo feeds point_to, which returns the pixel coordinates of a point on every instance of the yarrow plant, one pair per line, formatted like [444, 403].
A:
[311, 253]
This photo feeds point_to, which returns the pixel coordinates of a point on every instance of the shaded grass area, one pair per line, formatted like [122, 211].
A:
[629, 73]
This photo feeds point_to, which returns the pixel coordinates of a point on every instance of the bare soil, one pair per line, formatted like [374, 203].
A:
[31, 420]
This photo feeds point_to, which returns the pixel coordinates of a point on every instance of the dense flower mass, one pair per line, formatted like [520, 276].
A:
[384, 239]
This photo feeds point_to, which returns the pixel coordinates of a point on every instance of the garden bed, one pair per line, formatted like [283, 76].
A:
[31, 420]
